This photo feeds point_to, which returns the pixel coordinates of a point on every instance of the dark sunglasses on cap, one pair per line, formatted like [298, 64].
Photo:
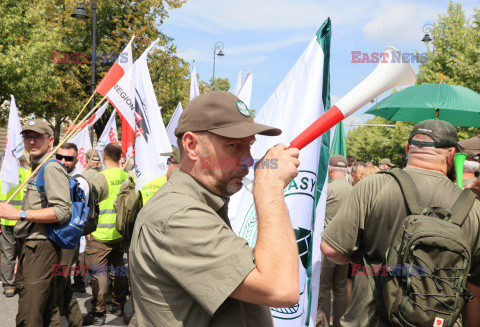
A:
[171, 160]
[59, 157]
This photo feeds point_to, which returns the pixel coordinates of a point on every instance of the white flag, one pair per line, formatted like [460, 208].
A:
[297, 102]
[194, 91]
[109, 135]
[150, 135]
[245, 93]
[13, 149]
[238, 85]
[82, 141]
[172, 124]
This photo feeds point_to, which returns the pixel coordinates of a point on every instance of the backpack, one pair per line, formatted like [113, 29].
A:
[67, 235]
[92, 201]
[426, 265]
[128, 205]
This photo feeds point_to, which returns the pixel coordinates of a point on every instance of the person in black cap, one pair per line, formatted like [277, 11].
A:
[188, 266]
[374, 210]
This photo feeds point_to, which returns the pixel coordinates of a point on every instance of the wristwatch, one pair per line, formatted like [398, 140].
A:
[23, 215]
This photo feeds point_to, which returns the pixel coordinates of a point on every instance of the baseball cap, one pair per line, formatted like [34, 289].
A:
[471, 145]
[386, 161]
[175, 154]
[443, 133]
[92, 153]
[338, 161]
[37, 125]
[221, 113]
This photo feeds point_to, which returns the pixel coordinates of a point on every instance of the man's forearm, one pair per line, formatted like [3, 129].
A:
[42, 216]
[276, 251]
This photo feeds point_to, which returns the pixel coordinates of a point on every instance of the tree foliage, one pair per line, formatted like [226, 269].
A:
[216, 84]
[31, 29]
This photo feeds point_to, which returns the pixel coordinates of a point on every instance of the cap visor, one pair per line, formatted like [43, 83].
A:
[242, 130]
[33, 129]
[473, 143]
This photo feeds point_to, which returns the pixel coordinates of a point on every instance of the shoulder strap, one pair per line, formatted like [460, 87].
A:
[409, 190]
[462, 207]
[40, 181]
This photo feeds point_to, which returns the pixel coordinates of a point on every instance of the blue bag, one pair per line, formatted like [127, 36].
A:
[67, 235]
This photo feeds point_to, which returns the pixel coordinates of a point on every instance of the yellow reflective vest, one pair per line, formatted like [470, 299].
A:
[17, 199]
[149, 190]
[106, 220]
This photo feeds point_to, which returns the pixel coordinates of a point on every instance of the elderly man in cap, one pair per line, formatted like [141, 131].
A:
[36, 302]
[375, 209]
[333, 277]
[385, 164]
[188, 266]
[93, 164]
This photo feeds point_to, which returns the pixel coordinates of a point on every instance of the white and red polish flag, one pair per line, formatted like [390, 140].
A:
[82, 141]
[114, 74]
[90, 121]
[109, 135]
[13, 150]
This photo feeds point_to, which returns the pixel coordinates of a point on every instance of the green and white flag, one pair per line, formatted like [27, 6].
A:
[298, 101]
[339, 146]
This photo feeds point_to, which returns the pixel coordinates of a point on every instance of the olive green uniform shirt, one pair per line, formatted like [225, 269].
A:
[337, 191]
[90, 172]
[58, 196]
[185, 261]
[369, 219]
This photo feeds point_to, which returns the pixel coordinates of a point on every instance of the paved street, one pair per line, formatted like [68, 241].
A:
[8, 309]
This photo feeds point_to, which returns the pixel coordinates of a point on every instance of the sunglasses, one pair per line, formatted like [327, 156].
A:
[171, 160]
[59, 157]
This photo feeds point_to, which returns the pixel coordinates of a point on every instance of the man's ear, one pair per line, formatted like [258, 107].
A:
[50, 141]
[407, 148]
[451, 156]
[190, 143]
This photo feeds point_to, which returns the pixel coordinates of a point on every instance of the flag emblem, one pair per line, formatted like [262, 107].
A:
[242, 108]
[438, 322]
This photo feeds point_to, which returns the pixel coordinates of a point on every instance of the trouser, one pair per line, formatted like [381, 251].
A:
[81, 262]
[66, 301]
[333, 278]
[9, 249]
[36, 285]
[106, 260]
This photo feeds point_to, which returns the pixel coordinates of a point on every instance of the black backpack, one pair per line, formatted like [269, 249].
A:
[426, 265]
[92, 219]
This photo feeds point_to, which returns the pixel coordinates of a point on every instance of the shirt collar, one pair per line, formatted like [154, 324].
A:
[185, 183]
[37, 161]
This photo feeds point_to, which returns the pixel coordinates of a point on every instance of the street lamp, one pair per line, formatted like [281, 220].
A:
[427, 29]
[218, 46]
[80, 13]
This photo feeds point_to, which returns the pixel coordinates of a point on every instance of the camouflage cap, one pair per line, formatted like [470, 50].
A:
[175, 154]
[221, 113]
[443, 133]
[386, 161]
[92, 155]
[337, 161]
[37, 125]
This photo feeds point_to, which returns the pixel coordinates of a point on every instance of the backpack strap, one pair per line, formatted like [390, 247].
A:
[40, 181]
[409, 190]
[462, 207]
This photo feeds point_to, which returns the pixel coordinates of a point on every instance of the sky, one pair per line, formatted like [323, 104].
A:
[268, 36]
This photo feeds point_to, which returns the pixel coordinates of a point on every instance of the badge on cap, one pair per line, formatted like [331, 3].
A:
[31, 123]
[242, 108]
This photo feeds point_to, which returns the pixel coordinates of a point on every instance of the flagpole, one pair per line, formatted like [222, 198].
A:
[128, 160]
[76, 118]
[64, 140]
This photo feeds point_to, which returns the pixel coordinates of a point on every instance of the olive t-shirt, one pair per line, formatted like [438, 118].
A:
[337, 191]
[370, 217]
[185, 261]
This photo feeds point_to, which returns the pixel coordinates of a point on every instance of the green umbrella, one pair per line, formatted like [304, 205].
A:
[456, 104]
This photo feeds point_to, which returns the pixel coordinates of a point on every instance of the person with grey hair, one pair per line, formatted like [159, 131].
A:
[470, 167]
[333, 277]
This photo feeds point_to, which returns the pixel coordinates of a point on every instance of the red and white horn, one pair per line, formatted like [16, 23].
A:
[394, 70]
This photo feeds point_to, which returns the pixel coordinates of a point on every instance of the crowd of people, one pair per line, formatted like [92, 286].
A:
[186, 266]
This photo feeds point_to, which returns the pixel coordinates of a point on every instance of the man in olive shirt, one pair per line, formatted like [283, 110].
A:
[375, 208]
[333, 277]
[93, 166]
[36, 302]
[104, 251]
[188, 267]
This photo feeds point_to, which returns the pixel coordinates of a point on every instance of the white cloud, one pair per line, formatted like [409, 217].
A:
[269, 46]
